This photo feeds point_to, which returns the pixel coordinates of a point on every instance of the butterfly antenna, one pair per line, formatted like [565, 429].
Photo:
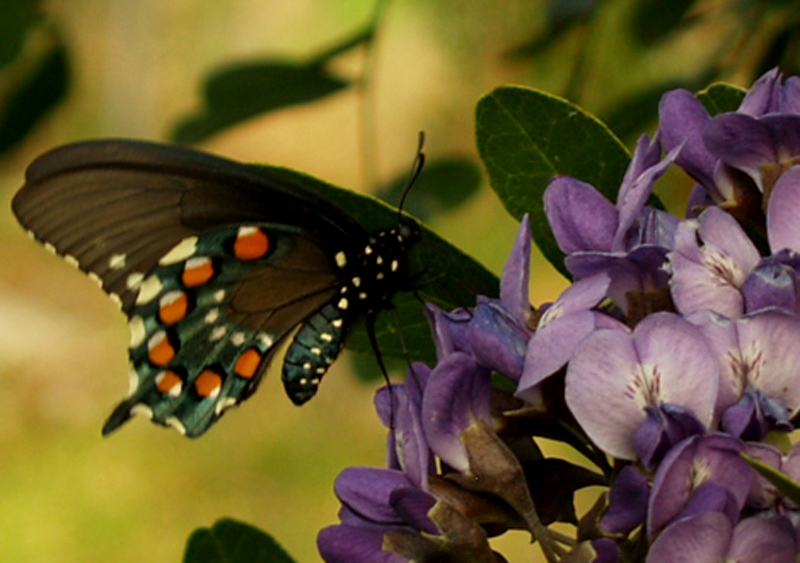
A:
[416, 168]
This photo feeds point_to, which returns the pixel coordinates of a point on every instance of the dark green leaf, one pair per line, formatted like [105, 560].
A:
[239, 92]
[448, 277]
[562, 16]
[229, 541]
[654, 20]
[720, 97]
[525, 137]
[34, 96]
[443, 185]
[16, 17]
[783, 482]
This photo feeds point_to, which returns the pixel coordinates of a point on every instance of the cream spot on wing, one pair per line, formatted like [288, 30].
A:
[180, 252]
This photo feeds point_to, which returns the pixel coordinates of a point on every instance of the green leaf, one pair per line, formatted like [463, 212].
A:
[16, 18]
[230, 541]
[782, 481]
[444, 184]
[240, 91]
[447, 277]
[31, 98]
[655, 20]
[525, 137]
[720, 97]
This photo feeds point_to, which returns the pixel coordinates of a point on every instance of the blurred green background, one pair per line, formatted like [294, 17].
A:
[135, 69]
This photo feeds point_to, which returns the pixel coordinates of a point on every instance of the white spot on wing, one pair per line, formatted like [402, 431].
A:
[266, 339]
[117, 261]
[140, 409]
[225, 403]
[238, 338]
[217, 333]
[134, 280]
[341, 259]
[342, 304]
[149, 289]
[219, 295]
[212, 316]
[71, 260]
[180, 252]
[96, 279]
[133, 379]
[136, 326]
[175, 422]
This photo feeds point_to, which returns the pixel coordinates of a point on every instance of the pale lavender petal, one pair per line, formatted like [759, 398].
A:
[789, 101]
[699, 459]
[769, 343]
[635, 191]
[783, 210]
[769, 539]
[721, 232]
[764, 95]
[763, 494]
[580, 217]
[552, 346]
[667, 345]
[741, 141]
[598, 395]
[721, 336]
[703, 538]
[457, 396]
[615, 375]
[514, 284]
[682, 120]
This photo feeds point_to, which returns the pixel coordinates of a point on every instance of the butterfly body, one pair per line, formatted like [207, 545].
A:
[215, 263]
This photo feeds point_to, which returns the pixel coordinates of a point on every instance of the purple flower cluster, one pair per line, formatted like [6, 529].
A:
[675, 351]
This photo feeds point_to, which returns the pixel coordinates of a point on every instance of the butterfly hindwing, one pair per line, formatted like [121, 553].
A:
[197, 345]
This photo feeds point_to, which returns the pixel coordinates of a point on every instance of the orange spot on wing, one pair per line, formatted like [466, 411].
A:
[197, 272]
[251, 244]
[174, 310]
[208, 383]
[170, 383]
[247, 364]
[161, 352]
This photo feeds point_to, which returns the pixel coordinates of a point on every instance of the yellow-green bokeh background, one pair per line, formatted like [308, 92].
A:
[68, 495]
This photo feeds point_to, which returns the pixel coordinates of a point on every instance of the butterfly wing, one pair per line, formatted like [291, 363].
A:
[213, 261]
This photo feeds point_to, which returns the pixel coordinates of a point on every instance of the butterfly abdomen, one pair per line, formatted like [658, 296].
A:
[370, 279]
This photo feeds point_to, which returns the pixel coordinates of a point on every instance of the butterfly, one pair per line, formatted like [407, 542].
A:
[215, 263]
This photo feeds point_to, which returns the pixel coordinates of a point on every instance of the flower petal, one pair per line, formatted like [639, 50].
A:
[581, 217]
[783, 228]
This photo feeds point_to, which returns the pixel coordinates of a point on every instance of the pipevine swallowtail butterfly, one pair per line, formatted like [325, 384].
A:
[215, 263]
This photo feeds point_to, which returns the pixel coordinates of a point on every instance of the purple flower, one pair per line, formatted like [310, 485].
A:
[763, 494]
[628, 241]
[759, 363]
[736, 157]
[495, 332]
[702, 473]
[710, 537]
[616, 375]
[716, 267]
[561, 329]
